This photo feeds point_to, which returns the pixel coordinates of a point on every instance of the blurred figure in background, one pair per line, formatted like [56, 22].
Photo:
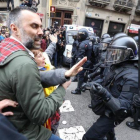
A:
[12, 3]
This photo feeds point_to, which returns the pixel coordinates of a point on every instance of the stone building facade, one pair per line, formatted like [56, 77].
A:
[109, 16]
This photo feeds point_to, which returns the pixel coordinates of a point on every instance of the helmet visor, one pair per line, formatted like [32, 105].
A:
[104, 46]
[116, 55]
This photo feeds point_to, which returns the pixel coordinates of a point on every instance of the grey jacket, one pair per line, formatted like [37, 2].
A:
[57, 77]
[51, 50]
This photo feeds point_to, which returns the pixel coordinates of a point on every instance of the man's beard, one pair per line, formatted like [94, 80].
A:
[27, 41]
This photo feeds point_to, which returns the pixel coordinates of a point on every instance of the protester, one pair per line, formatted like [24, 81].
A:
[44, 65]
[12, 3]
[43, 43]
[7, 34]
[35, 4]
[22, 82]
[1, 37]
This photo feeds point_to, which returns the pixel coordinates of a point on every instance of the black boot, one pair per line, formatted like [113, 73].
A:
[133, 125]
[76, 91]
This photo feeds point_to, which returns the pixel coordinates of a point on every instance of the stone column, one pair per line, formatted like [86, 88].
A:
[74, 19]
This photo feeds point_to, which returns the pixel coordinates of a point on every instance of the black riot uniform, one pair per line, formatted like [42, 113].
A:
[74, 50]
[84, 49]
[113, 99]
[105, 40]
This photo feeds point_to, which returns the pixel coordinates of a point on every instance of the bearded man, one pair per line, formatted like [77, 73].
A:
[20, 79]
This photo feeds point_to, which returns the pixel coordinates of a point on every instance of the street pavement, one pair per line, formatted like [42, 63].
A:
[82, 118]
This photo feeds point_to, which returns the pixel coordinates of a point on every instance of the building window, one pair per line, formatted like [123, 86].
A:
[115, 28]
[58, 14]
[67, 15]
[62, 17]
[96, 24]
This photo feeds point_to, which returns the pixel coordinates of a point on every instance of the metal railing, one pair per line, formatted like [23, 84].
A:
[127, 3]
[138, 7]
[108, 1]
[100, 3]
[3, 0]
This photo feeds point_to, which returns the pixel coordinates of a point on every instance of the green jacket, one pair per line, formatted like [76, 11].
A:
[20, 81]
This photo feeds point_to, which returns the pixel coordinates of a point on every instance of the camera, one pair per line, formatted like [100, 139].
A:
[55, 22]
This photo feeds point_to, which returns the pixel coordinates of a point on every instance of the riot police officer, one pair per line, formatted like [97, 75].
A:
[95, 49]
[103, 47]
[74, 50]
[85, 49]
[113, 99]
[118, 35]
[105, 35]
[136, 123]
[74, 54]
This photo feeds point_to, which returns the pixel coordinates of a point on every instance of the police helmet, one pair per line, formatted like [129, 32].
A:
[105, 43]
[136, 38]
[122, 49]
[118, 35]
[97, 39]
[105, 36]
[82, 34]
[92, 38]
[74, 37]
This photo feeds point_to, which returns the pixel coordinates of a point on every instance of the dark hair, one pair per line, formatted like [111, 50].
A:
[15, 14]
[36, 52]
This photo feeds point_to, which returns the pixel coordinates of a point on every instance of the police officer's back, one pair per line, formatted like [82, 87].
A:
[74, 50]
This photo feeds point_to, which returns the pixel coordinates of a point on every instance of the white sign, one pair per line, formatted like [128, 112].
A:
[133, 28]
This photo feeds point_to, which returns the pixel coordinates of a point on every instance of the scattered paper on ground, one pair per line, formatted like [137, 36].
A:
[72, 133]
[66, 106]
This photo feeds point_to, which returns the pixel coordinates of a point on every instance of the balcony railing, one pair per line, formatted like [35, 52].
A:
[100, 3]
[3, 0]
[123, 5]
[138, 9]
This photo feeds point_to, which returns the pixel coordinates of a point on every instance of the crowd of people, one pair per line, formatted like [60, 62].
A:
[57, 60]
[4, 33]
[30, 3]
[31, 91]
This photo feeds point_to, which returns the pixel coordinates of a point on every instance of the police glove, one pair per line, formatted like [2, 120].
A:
[100, 91]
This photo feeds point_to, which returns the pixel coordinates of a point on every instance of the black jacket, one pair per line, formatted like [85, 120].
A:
[85, 49]
[122, 82]
[8, 131]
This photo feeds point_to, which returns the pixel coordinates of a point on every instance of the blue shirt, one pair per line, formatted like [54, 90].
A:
[1, 37]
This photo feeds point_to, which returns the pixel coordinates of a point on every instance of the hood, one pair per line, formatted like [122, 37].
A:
[8, 47]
